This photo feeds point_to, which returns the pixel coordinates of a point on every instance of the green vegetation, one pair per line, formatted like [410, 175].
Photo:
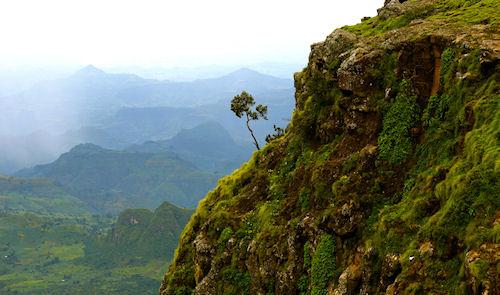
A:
[278, 132]
[51, 253]
[37, 195]
[238, 282]
[242, 105]
[138, 237]
[437, 13]
[395, 143]
[224, 237]
[208, 146]
[323, 265]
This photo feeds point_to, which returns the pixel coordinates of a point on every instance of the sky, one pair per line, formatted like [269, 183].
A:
[169, 33]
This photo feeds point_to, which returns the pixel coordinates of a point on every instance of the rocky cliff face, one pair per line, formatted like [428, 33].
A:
[386, 180]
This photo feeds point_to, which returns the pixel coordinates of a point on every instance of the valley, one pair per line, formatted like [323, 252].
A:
[104, 216]
[194, 155]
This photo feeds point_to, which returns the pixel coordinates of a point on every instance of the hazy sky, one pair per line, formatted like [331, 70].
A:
[169, 33]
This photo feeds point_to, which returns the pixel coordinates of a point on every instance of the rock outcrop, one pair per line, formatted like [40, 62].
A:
[386, 180]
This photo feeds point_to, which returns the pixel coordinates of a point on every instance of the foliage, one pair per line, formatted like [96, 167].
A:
[394, 141]
[323, 265]
[235, 281]
[278, 132]
[242, 105]
[225, 235]
[138, 236]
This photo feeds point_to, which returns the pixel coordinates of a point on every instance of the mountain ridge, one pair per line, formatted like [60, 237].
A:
[116, 110]
[108, 181]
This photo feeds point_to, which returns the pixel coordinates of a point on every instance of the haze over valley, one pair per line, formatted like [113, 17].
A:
[235, 147]
[84, 150]
[117, 110]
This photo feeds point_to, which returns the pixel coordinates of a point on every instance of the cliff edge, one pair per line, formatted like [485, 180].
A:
[386, 180]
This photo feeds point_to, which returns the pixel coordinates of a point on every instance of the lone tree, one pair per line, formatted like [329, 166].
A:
[242, 105]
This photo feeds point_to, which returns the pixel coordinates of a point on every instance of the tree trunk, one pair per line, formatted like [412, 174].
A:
[251, 133]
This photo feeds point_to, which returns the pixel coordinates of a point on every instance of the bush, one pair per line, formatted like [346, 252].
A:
[394, 141]
[323, 265]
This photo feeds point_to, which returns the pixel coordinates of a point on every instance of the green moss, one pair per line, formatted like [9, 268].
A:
[458, 12]
[479, 268]
[267, 213]
[323, 265]
[183, 291]
[303, 285]
[341, 185]
[247, 227]
[447, 69]
[470, 63]
[304, 202]
[307, 255]
[467, 12]
[225, 235]
[350, 163]
[235, 281]
[395, 143]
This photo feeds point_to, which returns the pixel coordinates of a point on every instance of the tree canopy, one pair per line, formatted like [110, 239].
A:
[242, 105]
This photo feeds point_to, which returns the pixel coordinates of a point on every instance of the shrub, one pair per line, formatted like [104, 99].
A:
[394, 141]
[323, 265]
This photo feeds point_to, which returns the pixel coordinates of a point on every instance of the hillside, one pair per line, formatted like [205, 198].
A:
[139, 236]
[208, 146]
[88, 254]
[109, 181]
[40, 196]
[386, 180]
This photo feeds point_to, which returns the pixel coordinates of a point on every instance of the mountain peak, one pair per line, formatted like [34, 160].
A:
[245, 72]
[90, 70]
[86, 148]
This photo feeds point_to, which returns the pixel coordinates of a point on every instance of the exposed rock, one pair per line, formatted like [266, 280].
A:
[354, 74]
[325, 55]
[481, 267]
[392, 8]
[348, 281]
[204, 251]
[426, 249]
[391, 267]
[345, 217]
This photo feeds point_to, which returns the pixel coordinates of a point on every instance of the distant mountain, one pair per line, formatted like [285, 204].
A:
[68, 103]
[137, 125]
[139, 236]
[277, 69]
[17, 152]
[110, 181]
[209, 146]
[89, 70]
[115, 110]
[90, 95]
[203, 91]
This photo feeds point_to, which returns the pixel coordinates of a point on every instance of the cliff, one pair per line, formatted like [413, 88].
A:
[386, 180]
